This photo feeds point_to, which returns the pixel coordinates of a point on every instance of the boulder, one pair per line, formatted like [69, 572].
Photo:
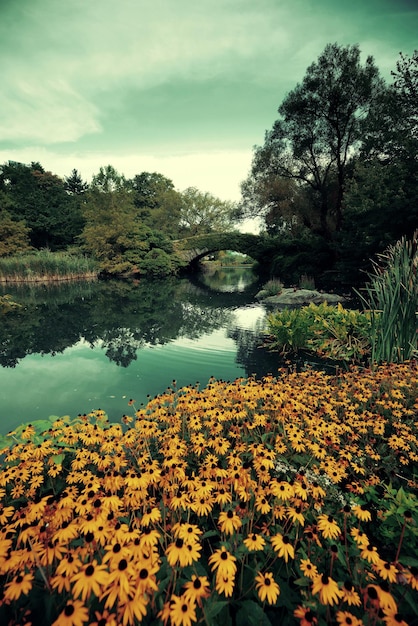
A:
[299, 297]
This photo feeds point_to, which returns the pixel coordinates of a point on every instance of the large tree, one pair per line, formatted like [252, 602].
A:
[320, 127]
[201, 213]
[158, 203]
[40, 198]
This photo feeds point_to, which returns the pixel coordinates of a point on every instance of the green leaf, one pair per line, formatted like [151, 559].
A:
[212, 609]
[58, 458]
[251, 614]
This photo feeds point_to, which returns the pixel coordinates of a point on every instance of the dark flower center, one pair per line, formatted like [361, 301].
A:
[69, 610]
[89, 570]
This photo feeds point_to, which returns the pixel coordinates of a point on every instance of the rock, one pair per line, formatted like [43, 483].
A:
[300, 297]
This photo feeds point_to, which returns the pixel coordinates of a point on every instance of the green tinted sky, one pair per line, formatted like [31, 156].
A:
[182, 87]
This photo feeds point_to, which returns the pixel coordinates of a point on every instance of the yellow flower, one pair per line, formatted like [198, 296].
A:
[370, 553]
[229, 522]
[224, 583]
[327, 589]
[308, 569]
[361, 512]
[182, 611]
[90, 579]
[267, 588]
[254, 542]
[344, 618]
[21, 584]
[328, 526]
[74, 614]
[281, 544]
[197, 588]
[349, 595]
[222, 561]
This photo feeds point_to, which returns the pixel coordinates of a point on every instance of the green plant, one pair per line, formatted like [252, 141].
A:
[330, 331]
[46, 265]
[392, 298]
[273, 287]
[306, 282]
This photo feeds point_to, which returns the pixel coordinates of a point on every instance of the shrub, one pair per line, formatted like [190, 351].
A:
[391, 295]
[330, 331]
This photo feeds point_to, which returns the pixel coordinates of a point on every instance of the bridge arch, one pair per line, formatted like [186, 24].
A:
[191, 249]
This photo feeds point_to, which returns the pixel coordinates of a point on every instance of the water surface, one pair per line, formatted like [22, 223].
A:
[76, 347]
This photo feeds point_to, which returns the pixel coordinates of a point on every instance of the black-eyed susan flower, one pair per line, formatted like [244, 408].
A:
[362, 513]
[224, 583]
[254, 542]
[74, 614]
[327, 588]
[345, 618]
[223, 562]
[411, 577]
[282, 545]
[133, 610]
[370, 553]
[267, 588]
[90, 579]
[387, 571]
[393, 618]
[328, 526]
[182, 611]
[349, 595]
[19, 585]
[229, 522]
[197, 588]
[305, 615]
[308, 569]
[182, 553]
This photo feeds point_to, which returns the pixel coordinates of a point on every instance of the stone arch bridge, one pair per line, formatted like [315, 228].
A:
[192, 249]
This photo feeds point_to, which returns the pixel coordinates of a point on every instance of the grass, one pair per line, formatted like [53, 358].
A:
[391, 295]
[291, 500]
[44, 266]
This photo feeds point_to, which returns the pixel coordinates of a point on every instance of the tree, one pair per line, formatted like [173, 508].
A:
[204, 213]
[14, 235]
[74, 184]
[321, 126]
[157, 202]
[406, 85]
[113, 233]
[39, 197]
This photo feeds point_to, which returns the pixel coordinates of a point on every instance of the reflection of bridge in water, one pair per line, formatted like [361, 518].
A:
[192, 249]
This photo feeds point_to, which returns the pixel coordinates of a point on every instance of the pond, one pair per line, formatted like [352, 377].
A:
[76, 347]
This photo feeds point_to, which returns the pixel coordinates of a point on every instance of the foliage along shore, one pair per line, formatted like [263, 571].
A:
[45, 266]
[288, 500]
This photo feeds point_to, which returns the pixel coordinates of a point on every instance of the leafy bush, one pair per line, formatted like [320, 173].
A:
[290, 500]
[330, 331]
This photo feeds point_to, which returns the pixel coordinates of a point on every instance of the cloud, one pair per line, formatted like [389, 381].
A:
[49, 111]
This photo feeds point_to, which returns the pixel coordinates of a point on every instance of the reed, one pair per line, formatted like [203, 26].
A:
[45, 266]
[391, 295]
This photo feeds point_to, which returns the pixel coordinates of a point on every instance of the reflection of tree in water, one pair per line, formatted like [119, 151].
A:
[122, 346]
[119, 315]
[250, 355]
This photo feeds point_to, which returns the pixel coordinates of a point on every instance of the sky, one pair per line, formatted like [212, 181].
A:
[185, 88]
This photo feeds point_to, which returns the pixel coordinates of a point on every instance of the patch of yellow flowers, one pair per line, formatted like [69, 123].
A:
[288, 500]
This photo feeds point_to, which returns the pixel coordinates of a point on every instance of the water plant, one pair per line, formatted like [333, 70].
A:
[391, 296]
[44, 265]
[289, 500]
[330, 331]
